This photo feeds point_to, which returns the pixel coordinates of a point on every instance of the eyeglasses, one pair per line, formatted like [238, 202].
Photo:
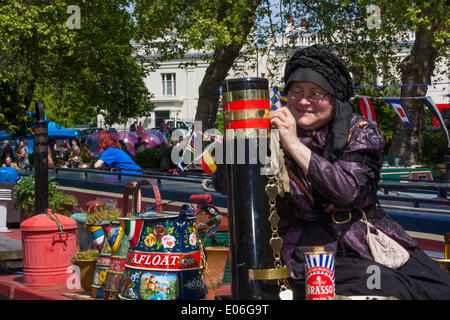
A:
[313, 97]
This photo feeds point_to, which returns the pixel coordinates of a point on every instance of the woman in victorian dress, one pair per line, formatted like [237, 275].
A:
[333, 159]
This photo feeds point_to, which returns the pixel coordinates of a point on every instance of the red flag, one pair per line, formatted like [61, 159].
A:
[367, 109]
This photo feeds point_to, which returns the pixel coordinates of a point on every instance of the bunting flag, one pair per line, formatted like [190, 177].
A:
[435, 111]
[207, 163]
[367, 109]
[191, 144]
[278, 98]
[396, 104]
[180, 166]
[205, 160]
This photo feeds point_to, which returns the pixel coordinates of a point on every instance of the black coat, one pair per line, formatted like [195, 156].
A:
[7, 151]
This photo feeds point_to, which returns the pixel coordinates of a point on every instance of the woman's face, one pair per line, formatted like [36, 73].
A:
[309, 115]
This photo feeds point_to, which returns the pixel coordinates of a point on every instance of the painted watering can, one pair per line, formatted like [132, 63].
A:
[103, 259]
[165, 260]
[119, 244]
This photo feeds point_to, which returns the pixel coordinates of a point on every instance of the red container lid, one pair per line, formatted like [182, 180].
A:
[43, 222]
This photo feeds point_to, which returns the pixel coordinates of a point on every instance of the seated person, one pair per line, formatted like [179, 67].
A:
[114, 156]
[9, 163]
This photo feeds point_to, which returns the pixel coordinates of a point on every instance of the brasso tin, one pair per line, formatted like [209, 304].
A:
[319, 274]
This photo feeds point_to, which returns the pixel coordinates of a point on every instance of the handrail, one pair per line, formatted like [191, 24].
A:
[414, 200]
[414, 185]
[428, 210]
[383, 186]
[154, 175]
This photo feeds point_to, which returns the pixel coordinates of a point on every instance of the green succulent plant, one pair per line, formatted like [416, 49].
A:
[103, 214]
[90, 254]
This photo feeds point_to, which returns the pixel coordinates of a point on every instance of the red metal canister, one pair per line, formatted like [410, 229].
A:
[48, 243]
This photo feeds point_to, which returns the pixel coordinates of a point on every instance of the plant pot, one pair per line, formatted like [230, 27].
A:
[95, 204]
[216, 259]
[87, 271]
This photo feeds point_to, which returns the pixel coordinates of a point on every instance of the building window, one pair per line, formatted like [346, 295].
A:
[169, 87]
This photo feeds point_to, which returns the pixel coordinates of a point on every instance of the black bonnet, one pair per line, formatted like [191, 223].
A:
[320, 59]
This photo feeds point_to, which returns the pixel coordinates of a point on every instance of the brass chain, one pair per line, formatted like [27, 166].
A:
[276, 242]
[205, 265]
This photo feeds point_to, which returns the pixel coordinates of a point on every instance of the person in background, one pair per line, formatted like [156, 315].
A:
[50, 162]
[114, 156]
[10, 163]
[7, 151]
[124, 147]
[140, 128]
[138, 144]
[64, 154]
[22, 155]
[169, 130]
[76, 153]
[133, 127]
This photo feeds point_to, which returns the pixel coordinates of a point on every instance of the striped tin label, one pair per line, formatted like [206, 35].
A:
[319, 273]
[132, 229]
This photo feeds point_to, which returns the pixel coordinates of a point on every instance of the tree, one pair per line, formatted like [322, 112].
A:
[171, 28]
[79, 72]
[431, 23]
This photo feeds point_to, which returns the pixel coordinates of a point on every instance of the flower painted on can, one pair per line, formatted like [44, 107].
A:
[131, 293]
[168, 241]
[150, 240]
[192, 239]
[159, 231]
[134, 277]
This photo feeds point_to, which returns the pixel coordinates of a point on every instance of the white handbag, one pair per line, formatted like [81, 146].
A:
[384, 249]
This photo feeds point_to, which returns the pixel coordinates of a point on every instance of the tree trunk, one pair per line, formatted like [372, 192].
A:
[416, 68]
[208, 91]
[223, 59]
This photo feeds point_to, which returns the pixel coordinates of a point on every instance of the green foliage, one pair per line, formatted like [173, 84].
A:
[219, 123]
[147, 158]
[76, 72]
[434, 148]
[24, 193]
[184, 25]
[90, 254]
[85, 156]
[63, 203]
[102, 214]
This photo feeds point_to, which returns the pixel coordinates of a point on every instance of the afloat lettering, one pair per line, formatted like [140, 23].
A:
[165, 261]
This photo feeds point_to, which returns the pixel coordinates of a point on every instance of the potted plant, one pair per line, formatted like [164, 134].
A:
[103, 214]
[86, 261]
[99, 222]
[58, 201]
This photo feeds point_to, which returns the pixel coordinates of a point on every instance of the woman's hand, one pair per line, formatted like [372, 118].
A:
[283, 120]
